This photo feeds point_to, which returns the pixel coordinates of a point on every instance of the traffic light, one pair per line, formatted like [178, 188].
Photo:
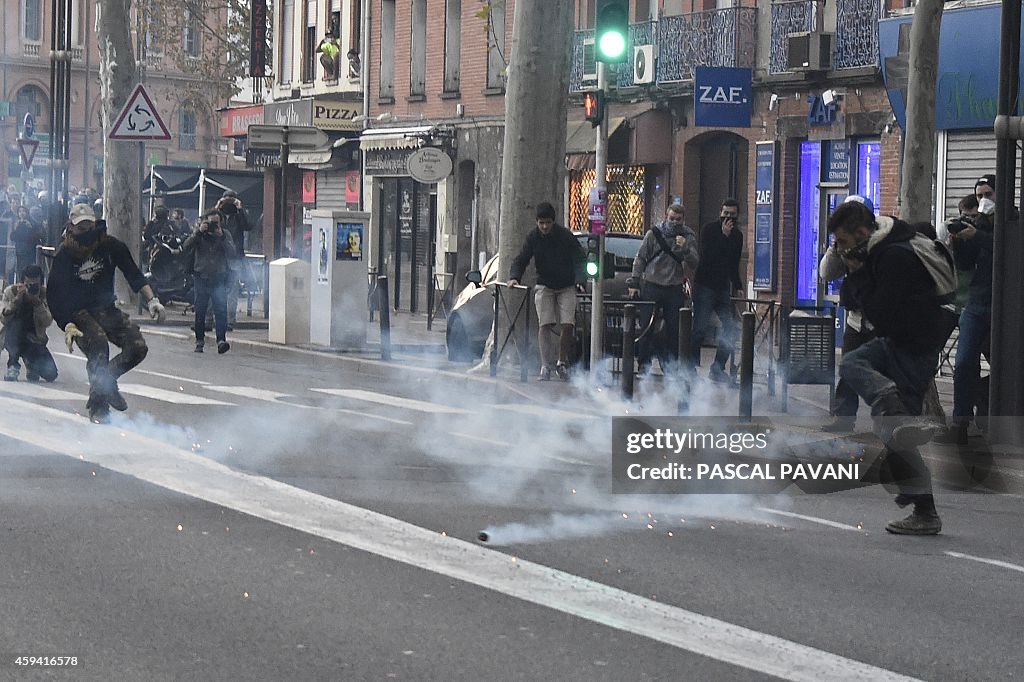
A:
[611, 39]
[593, 106]
[593, 256]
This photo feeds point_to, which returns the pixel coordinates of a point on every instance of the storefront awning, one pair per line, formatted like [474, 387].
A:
[394, 138]
[321, 159]
[581, 138]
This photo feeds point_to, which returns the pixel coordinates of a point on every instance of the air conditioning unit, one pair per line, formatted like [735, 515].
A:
[810, 51]
[643, 64]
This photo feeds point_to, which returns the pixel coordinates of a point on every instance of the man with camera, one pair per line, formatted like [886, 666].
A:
[718, 276]
[236, 224]
[25, 318]
[213, 250]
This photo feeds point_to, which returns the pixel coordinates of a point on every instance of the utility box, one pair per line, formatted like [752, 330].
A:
[289, 301]
[338, 313]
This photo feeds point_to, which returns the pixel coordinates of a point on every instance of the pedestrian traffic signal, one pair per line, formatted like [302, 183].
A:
[612, 35]
[593, 106]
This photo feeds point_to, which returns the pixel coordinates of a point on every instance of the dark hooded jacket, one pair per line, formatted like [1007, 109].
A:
[899, 298]
[83, 278]
[976, 253]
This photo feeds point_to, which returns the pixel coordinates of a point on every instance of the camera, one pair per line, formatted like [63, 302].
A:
[229, 206]
[959, 224]
[32, 289]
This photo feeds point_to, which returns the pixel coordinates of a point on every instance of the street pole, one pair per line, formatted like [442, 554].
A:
[279, 225]
[600, 182]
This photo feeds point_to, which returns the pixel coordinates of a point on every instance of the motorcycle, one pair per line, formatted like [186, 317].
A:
[170, 270]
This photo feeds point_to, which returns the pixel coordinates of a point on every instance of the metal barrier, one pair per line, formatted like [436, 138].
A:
[614, 314]
[516, 314]
[766, 325]
[808, 352]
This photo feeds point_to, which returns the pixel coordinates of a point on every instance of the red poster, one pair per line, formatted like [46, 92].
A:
[309, 187]
[352, 181]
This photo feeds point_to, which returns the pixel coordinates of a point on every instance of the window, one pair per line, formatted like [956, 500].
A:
[33, 26]
[187, 129]
[191, 34]
[355, 25]
[418, 51]
[496, 46]
[76, 23]
[154, 31]
[309, 44]
[387, 49]
[287, 40]
[452, 44]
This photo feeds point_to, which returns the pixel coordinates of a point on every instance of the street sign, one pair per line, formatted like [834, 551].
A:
[28, 127]
[597, 211]
[28, 151]
[429, 165]
[299, 137]
[139, 120]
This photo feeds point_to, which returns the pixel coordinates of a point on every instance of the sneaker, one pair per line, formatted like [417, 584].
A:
[545, 374]
[199, 348]
[99, 411]
[840, 425]
[562, 370]
[917, 523]
[719, 375]
[32, 376]
[913, 432]
[954, 435]
[12, 373]
[223, 347]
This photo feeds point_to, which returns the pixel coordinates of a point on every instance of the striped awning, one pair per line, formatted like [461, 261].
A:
[394, 138]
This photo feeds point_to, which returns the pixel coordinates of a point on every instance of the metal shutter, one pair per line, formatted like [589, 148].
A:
[969, 155]
[330, 189]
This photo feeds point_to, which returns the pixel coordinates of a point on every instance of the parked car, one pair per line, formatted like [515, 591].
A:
[472, 314]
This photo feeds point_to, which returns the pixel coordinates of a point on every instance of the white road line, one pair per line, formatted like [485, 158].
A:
[481, 439]
[176, 397]
[812, 519]
[143, 371]
[189, 474]
[983, 560]
[272, 397]
[391, 400]
[535, 410]
[70, 355]
[39, 391]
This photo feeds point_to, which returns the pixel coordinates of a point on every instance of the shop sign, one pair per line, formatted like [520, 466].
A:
[388, 162]
[296, 112]
[765, 186]
[235, 122]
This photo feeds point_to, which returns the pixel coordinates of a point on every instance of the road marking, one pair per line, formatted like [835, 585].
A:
[178, 398]
[39, 391]
[535, 410]
[272, 397]
[481, 439]
[189, 474]
[983, 560]
[812, 519]
[391, 400]
[143, 371]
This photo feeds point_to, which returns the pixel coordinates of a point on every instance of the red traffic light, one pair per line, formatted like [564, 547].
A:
[593, 107]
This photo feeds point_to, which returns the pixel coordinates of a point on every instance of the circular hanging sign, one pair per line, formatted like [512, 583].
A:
[429, 165]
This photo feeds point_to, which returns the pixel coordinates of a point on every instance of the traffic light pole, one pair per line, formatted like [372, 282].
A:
[600, 182]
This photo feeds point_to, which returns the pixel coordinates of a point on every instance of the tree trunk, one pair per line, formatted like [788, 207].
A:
[118, 77]
[919, 141]
[533, 162]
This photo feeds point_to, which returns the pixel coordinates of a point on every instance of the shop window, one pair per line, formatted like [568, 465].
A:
[808, 216]
[869, 168]
[626, 198]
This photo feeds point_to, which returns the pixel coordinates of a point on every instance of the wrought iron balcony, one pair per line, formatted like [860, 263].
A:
[719, 37]
[857, 33]
[788, 16]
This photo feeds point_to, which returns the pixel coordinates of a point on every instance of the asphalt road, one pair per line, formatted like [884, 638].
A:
[279, 519]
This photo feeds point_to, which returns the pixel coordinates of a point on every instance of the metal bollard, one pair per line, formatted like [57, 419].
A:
[385, 317]
[628, 348]
[685, 360]
[747, 367]
[494, 333]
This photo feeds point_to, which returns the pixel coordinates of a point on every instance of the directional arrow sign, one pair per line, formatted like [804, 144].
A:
[299, 137]
[139, 120]
[28, 151]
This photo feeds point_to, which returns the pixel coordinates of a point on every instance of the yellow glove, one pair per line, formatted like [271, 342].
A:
[71, 332]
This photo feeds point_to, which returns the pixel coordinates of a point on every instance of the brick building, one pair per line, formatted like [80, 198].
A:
[184, 100]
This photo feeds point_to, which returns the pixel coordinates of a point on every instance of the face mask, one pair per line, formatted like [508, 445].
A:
[987, 206]
[88, 238]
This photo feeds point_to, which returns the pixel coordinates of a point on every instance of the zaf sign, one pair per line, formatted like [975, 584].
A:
[722, 97]
[819, 113]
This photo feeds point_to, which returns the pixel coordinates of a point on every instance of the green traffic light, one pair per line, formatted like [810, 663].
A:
[591, 268]
[612, 45]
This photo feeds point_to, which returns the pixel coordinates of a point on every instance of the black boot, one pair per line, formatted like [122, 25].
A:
[896, 428]
[923, 521]
[956, 434]
[840, 424]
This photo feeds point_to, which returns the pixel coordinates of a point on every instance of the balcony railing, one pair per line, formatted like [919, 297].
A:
[725, 37]
[788, 16]
[857, 33]
[31, 49]
[720, 37]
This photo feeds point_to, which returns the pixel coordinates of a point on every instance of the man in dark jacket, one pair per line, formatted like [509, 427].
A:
[666, 257]
[25, 318]
[213, 249]
[558, 258]
[892, 371]
[81, 298]
[236, 223]
[718, 276]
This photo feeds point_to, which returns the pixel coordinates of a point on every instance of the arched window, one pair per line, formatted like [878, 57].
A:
[187, 128]
[29, 100]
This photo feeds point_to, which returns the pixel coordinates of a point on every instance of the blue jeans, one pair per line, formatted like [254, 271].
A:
[207, 288]
[975, 325]
[718, 301]
[880, 367]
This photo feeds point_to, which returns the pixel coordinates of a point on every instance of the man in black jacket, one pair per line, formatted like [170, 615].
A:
[236, 223]
[212, 249]
[892, 371]
[81, 298]
[718, 276]
[558, 258]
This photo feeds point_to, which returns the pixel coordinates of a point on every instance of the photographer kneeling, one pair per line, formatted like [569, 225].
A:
[26, 317]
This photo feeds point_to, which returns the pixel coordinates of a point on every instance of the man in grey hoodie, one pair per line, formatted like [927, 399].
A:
[667, 256]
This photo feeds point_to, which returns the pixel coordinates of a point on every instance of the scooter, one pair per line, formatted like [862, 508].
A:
[170, 271]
